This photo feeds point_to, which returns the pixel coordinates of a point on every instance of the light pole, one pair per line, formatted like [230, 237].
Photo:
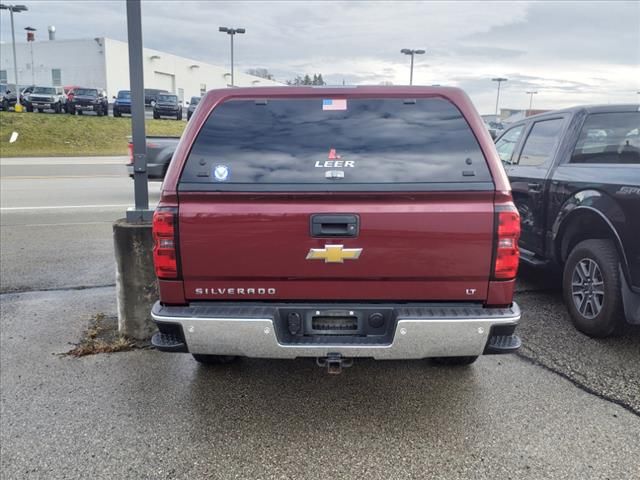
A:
[16, 9]
[231, 32]
[531, 94]
[30, 38]
[499, 80]
[408, 51]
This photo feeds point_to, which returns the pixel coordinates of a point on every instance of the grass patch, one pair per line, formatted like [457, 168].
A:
[102, 337]
[49, 134]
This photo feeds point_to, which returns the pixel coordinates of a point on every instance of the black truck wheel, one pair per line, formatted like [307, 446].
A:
[40, 110]
[454, 361]
[591, 288]
[29, 108]
[156, 116]
[79, 112]
[116, 112]
[214, 359]
[5, 105]
[57, 108]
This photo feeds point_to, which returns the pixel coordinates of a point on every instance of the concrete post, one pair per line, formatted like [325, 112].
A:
[136, 286]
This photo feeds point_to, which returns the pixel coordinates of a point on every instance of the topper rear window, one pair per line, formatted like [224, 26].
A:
[333, 144]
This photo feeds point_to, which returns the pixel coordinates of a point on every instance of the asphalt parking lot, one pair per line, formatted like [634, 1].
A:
[566, 406]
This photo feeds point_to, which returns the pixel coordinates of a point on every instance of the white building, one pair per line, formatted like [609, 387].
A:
[104, 63]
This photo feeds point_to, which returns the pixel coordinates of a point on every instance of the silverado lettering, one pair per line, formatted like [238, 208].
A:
[438, 276]
[235, 291]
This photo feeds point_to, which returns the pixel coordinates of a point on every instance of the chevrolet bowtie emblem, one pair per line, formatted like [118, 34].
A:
[334, 254]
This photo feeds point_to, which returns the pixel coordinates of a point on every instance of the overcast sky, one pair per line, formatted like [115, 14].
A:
[570, 52]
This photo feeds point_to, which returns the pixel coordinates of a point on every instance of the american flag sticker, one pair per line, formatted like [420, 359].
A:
[334, 104]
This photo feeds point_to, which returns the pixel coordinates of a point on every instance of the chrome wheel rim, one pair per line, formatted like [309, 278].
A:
[587, 288]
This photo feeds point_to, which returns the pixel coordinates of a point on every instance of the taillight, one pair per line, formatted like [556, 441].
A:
[130, 153]
[507, 254]
[164, 243]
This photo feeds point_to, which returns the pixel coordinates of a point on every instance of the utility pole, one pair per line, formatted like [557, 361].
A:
[531, 94]
[412, 53]
[231, 32]
[141, 212]
[499, 80]
[16, 9]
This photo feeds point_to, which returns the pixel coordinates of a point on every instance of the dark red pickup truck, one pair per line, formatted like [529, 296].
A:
[336, 223]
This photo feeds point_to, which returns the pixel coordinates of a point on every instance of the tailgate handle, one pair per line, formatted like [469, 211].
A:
[335, 225]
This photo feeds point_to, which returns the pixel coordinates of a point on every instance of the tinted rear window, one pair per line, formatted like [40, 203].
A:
[609, 138]
[326, 143]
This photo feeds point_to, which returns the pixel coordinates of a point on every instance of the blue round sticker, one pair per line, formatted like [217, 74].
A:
[221, 173]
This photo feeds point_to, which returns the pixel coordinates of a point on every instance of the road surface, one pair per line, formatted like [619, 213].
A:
[566, 407]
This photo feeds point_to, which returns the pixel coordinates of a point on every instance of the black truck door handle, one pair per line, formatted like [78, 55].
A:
[534, 187]
[335, 225]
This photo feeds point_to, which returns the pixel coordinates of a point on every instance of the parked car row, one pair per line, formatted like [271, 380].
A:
[74, 99]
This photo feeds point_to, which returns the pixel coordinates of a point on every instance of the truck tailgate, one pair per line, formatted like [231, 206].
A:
[415, 246]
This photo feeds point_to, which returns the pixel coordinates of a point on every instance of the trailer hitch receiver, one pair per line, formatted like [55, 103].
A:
[334, 362]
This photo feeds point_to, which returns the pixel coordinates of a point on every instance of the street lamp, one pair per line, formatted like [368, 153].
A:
[499, 80]
[231, 32]
[12, 9]
[30, 38]
[531, 94]
[408, 51]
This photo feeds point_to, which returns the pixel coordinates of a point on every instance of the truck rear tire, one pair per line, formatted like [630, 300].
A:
[214, 359]
[455, 361]
[591, 288]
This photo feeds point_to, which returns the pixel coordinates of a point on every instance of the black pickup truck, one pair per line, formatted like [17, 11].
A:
[575, 176]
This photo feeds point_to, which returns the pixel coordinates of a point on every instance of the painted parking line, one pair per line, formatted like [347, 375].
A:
[64, 224]
[62, 207]
[56, 177]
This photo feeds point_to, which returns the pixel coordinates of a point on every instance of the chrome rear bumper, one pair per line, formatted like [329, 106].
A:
[418, 333]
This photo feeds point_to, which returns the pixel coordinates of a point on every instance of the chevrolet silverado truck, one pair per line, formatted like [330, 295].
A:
[336, 223]
[159, 152]
[575, 176]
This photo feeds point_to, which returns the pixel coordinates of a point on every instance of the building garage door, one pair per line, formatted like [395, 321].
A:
[164, 81]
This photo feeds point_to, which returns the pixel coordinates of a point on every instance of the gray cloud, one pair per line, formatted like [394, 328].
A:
[572, 52]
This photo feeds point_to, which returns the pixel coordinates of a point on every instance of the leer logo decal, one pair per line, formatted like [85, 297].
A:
[334, 254]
